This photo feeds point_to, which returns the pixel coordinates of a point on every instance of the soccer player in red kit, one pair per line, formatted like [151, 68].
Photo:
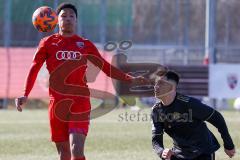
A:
[66, 55]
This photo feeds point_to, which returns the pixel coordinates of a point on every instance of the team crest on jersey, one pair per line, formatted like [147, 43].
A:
[232, 80]
[80, 44]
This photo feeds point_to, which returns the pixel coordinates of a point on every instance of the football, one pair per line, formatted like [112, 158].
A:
[44, 19]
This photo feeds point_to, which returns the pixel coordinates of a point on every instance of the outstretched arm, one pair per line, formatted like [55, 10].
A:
[111, 71]
[218, 121]
[37, 63]
[31, 77]
[206, 113]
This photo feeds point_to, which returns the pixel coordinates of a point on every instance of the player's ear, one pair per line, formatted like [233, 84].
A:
[175, 85]
[76, 18]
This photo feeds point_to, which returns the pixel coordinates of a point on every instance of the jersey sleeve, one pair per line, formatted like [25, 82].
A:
[218, 121]
[157, 134]
[206, 113]
[94, 56]
[199, 110]
[38, 60]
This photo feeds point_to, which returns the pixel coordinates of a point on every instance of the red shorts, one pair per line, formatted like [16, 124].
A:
[68, 115]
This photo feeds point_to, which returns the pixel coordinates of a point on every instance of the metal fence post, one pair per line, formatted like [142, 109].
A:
[210, 30]
[7, 42]
[210, 36]
[158, 27]
[103, 17]
[177, 21]
[186, 31]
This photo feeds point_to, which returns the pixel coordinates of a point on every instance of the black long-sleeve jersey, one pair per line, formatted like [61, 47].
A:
[183, 120]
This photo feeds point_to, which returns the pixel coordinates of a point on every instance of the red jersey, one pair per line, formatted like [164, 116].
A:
[67, 57]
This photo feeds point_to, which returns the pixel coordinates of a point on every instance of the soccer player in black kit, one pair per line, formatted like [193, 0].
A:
[183, 119]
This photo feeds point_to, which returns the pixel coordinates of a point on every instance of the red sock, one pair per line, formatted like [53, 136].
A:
[83, 158]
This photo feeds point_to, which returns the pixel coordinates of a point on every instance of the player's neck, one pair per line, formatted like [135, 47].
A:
[66, 34]
[167, 100]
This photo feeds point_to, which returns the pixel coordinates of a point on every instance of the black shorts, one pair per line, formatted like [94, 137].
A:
[201, 157]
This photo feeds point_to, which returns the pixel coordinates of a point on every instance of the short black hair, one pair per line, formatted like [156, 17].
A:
[66, 5]
[171, 75]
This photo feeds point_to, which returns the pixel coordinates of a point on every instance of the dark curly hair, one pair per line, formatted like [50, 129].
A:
[66, 5]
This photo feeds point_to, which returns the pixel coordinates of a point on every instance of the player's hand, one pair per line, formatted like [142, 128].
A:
[230, 153]
[167, 154]
[19, 102]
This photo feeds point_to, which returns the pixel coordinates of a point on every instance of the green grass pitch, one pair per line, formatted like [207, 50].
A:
[121, 134]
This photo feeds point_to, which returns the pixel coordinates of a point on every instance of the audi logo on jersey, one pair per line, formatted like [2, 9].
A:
[68, 55]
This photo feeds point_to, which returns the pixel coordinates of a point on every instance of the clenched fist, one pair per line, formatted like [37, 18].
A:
[167, 154]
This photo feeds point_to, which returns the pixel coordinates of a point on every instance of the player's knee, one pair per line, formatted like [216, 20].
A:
[77, 150]
[64, 154]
